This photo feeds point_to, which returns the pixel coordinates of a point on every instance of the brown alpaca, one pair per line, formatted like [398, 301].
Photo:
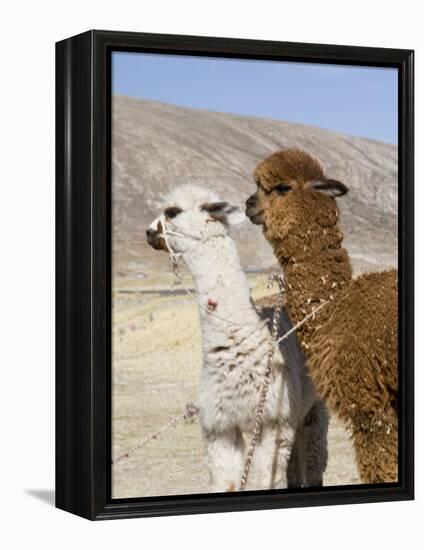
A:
[351, 343]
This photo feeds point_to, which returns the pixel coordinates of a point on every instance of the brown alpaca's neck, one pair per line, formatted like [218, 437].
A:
[316, 268]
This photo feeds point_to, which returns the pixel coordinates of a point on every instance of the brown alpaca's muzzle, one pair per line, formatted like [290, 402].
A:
[253, 210]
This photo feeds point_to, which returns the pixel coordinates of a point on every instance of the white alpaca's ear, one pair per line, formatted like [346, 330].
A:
[224, 212]
[332, 188]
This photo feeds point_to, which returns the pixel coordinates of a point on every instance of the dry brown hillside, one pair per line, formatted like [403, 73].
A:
[157, 146]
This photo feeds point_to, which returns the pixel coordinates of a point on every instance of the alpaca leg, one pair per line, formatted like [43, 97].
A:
[315, 427]
[271, 458]
[377, 455]
[296, 471]
[225, 457]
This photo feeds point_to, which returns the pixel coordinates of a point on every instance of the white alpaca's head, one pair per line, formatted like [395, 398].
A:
[191, 214]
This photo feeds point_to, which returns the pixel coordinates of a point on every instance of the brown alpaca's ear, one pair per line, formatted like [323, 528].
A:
[332, 188]
[224, 212]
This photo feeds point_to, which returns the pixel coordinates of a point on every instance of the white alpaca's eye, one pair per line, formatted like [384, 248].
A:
[172, 211]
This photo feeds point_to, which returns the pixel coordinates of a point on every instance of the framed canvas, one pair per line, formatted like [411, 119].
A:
[234, 242]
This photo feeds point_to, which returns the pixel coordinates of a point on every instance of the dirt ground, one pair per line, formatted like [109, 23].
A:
[156, 366]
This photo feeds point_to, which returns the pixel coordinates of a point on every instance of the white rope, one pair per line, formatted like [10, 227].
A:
[300, 323]
[257, 430]
[174, 259]
[191, 411]
[270, 356]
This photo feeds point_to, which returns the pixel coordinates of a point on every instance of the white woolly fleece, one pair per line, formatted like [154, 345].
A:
[235, 344]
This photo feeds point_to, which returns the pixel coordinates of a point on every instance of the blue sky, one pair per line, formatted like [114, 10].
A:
[358, 101]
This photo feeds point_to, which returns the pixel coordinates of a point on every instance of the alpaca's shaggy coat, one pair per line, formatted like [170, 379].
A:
[235, 344]
[351, 343]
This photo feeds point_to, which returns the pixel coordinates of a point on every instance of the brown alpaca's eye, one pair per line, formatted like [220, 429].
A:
[281, 188]
[172, 211]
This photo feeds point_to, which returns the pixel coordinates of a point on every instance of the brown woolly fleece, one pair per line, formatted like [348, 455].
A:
[351, 343]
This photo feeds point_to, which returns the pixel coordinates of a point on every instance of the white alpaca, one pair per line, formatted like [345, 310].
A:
[235, 343]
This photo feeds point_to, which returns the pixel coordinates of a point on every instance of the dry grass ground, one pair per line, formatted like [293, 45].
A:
[156, 365]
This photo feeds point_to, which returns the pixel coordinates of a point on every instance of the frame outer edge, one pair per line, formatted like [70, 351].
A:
[82, 243]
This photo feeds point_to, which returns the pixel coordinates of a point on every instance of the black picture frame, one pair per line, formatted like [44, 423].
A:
[83, 275]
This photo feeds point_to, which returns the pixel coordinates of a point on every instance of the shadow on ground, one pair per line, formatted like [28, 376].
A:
[45, 495]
